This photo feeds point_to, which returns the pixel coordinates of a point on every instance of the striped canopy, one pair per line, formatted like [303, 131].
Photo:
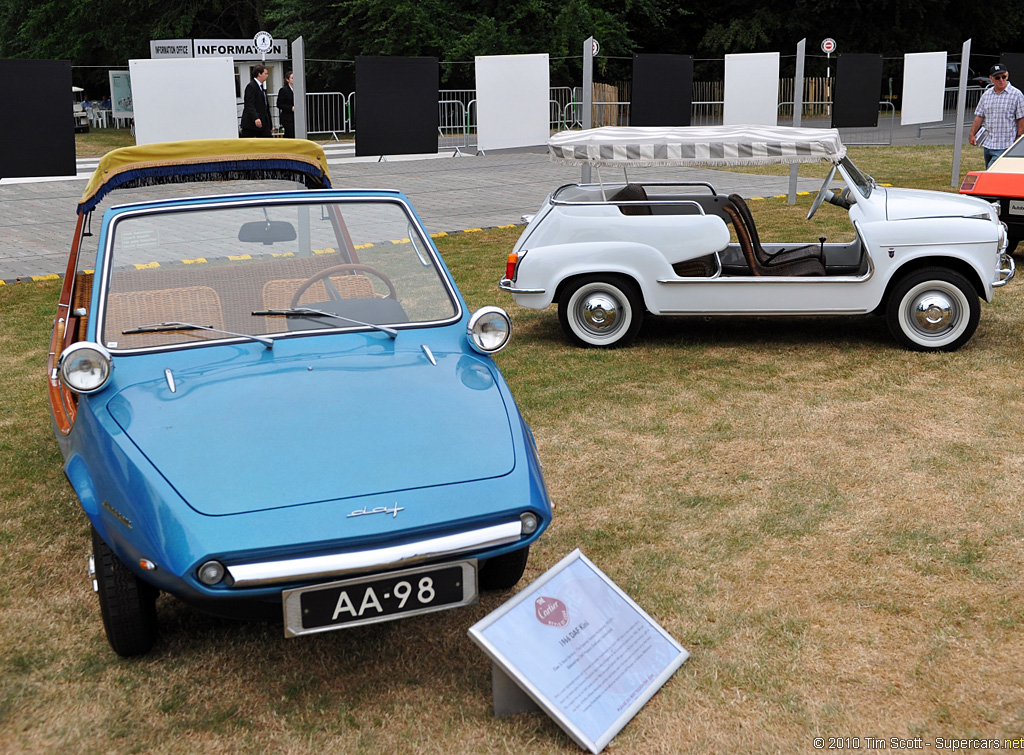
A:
[695, 145]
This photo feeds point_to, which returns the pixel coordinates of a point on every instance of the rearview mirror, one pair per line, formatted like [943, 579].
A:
[267, 232]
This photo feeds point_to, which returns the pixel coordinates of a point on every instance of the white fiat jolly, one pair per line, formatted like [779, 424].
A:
[608, 253]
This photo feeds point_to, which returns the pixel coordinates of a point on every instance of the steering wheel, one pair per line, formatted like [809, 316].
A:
[332, 290]
[823, 193]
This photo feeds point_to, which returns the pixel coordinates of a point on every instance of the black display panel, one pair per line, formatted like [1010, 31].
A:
[396, 111]
[858, 89]
[38, 126]
[1014, 63]
[662, 90]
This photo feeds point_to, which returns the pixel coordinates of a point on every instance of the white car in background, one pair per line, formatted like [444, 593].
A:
[609, 253]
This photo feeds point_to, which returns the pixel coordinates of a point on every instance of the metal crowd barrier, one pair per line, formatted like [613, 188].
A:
[818, 112]
[331, 113]
[328, 113]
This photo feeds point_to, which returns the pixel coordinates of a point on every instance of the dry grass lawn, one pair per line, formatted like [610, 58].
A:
[830, 525]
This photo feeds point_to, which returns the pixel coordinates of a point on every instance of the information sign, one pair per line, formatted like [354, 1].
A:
[121, 105]
[581, 649]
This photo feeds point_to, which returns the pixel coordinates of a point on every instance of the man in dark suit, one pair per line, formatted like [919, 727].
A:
[255, 111]
[286, 104]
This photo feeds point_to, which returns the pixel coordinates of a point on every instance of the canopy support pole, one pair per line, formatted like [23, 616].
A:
[958, 133]
[588, 96]
[798, 111]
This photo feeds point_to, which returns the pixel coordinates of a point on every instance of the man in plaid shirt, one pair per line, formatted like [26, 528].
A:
[1001, 110]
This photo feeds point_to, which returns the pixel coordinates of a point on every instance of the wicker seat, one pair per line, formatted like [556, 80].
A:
[632, 193]
[799, 267]
[277, 294]
[82, 300]
[131, 309]
[701, 267]
[781, 257]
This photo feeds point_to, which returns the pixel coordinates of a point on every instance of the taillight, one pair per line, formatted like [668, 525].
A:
[510, 266]
[969, 180]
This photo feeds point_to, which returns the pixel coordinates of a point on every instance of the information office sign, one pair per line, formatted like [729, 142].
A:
[581, 649]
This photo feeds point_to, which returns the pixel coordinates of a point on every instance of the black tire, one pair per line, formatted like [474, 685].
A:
[1011, 243]
[933, 309]
[504, 572]
[601, 311]
[128, 604]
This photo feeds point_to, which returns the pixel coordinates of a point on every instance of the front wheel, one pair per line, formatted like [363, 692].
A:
[601, 311]
[933, 309]
[128, 604]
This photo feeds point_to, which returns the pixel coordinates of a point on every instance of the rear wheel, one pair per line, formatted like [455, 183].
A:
[601, 311]
[504, 571]
[128, 604]
[933, 309]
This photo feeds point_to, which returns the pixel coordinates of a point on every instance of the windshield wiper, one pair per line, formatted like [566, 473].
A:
[163, 326]
[306, 311]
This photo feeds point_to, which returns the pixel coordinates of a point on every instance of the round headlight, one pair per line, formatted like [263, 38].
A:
[84, 367]
[211, 573]
[530, 523]
[489, 329]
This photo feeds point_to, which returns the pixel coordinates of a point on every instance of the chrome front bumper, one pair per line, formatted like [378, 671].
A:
[1006, 271]
[379, 559]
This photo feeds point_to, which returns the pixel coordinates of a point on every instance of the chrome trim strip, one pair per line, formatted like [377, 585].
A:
[506, 285]
[170, 380]
[764, 279]
[762, 312]
[935, 243]
[628, 203]
[390, 557]
[613, 184]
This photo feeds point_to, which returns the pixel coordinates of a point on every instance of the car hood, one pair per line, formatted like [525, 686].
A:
[257, 437]
[910, 204]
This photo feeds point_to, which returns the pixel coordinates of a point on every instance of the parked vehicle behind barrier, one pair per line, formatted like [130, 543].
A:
[609, 253]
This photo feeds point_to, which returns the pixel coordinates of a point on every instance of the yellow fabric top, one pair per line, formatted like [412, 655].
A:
[157, 162]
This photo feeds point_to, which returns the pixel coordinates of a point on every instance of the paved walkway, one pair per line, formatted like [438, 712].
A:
[37, 216]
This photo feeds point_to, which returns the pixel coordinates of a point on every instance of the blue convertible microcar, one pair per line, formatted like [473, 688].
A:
[277, 402]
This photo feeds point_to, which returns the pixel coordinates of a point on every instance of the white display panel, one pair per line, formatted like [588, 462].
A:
[183, 98]
[924, 87]
[580, 649]
[512, 96]
[751, 89]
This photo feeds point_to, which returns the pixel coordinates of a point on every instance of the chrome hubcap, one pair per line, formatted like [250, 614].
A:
[600, 313]
[934, 312]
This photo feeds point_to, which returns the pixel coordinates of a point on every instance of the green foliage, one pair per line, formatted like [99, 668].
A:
[105, 33]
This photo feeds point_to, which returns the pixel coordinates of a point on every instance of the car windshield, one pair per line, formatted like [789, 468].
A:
[863, 182]
[1016, 149]
[187, 275]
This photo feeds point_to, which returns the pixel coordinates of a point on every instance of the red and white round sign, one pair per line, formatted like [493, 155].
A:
[828, 46]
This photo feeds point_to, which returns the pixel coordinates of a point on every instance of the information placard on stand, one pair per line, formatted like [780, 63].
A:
[581, 649]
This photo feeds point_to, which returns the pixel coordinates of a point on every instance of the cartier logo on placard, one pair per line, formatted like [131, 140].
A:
[551, 611]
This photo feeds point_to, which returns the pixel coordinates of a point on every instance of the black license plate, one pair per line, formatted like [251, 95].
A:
[382, 597]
